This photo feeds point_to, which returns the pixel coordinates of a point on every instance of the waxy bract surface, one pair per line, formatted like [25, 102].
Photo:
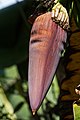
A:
[46, 44]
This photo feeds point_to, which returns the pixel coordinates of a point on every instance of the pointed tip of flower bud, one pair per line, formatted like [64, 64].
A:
[33, 112]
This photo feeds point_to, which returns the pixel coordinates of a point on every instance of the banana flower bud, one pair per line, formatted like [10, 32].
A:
[46, 44]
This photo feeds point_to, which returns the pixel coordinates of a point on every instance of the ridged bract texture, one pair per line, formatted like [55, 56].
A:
[46, 44]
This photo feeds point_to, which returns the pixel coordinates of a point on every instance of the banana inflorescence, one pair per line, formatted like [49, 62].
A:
[46, 44]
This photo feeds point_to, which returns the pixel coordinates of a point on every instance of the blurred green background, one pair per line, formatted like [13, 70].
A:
[14, 97]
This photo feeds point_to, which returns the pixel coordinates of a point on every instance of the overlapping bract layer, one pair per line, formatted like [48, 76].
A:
[46, 44]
